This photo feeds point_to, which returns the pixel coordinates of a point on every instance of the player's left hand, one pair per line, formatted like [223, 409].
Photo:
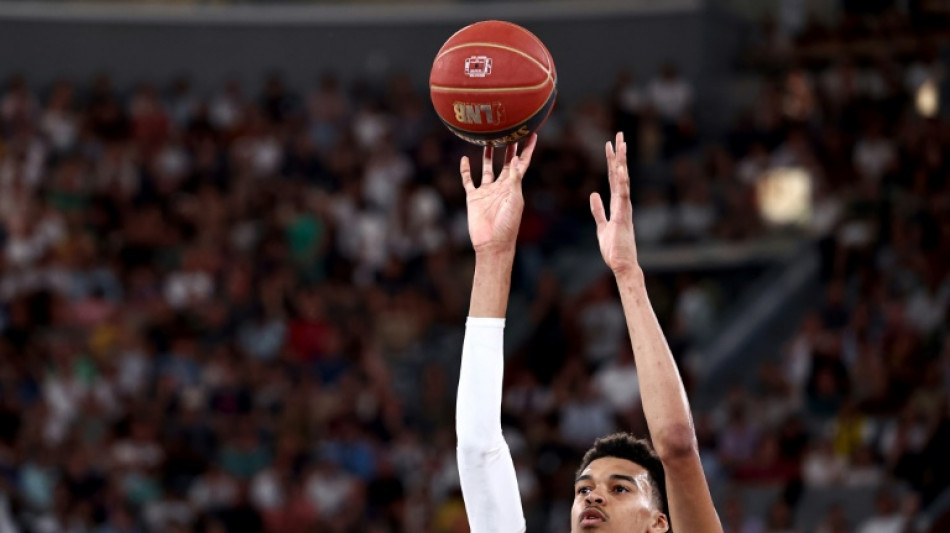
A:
[615, 236]
[495, 206]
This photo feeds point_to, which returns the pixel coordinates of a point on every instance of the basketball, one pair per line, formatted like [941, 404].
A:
[493, 83]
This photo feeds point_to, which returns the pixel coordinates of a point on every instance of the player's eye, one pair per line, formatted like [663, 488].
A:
[583, 490]
[621, 488]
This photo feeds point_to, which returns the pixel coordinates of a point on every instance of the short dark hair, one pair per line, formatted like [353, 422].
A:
[626, 446]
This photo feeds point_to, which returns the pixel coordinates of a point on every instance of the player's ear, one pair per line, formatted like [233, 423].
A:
[661, 524]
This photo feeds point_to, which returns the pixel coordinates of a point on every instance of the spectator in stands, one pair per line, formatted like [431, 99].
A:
[887, 515]
[601, 324]
[779, 519]
[669, 94]
[834, 521]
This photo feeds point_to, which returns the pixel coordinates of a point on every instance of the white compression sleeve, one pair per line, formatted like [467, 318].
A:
[489, 484]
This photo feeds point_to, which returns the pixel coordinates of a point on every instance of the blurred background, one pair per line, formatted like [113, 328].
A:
[235, 265]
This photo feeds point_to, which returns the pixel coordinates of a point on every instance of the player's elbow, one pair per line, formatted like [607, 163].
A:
[478, 451]
[675, 443]
[474, 439]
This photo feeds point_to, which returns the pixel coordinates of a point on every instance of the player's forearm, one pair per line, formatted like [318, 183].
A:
[486, 472]
[478, 406]
[664, 398]
[492, 284]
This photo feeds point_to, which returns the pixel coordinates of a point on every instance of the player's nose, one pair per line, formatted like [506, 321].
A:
[594, 497]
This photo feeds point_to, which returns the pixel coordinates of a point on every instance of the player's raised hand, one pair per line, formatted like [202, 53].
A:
[615, 235]
[495, 206]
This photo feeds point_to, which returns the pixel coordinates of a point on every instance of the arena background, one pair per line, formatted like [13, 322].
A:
[235, 265]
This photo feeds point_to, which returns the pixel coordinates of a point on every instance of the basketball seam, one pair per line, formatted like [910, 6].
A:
[547, 53]
[447, 89]
[524, 31]
[540, 65]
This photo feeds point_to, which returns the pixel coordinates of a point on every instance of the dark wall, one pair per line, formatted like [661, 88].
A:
[587, 51]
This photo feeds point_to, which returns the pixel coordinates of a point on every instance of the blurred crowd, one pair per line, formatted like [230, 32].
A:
[860, 397]
[241, 311]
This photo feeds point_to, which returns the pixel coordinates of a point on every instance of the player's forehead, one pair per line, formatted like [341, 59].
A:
[605, 467]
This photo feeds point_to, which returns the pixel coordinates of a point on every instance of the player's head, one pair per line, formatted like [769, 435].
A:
[620, 488]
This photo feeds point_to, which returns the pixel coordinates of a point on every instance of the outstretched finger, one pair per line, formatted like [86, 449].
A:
[465, 169]
[524, 160]
[488, 172]
[621, 151]
[511, 153]
[620, 168]
[617, 169]
[597, 209]
[611, 168]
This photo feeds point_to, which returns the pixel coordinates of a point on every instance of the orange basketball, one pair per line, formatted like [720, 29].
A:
[493, 82]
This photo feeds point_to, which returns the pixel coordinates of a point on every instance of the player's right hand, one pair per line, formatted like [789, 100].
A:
[495, 206]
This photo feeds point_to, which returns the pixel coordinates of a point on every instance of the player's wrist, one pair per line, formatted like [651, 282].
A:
[495, 255]
[630, 275]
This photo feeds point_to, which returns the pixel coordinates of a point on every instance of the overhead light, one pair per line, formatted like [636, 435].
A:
[784, 196]
[927, 100]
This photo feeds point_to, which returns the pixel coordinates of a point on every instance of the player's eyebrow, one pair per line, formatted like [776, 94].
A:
[622, 477]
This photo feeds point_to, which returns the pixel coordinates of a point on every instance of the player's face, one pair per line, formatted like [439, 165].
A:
[614, 495]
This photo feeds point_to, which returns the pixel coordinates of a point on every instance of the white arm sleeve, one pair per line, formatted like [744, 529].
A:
[489, 484]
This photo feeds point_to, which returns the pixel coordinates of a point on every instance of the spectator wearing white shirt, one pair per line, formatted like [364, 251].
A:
[617, 381]
[887, 517]
[586, 416]
[653, 217]
[821, 467]
[602, 324]
[60, 122]
[696, 213]
[874, 154]
[227, 108]
[670, 94]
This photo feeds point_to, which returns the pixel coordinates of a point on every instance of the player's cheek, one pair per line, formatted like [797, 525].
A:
[576, 507]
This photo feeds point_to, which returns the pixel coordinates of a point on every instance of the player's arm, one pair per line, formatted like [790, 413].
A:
[486, 471]
[661, 389]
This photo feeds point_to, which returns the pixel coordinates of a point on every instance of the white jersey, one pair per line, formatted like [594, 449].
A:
[487, 473]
